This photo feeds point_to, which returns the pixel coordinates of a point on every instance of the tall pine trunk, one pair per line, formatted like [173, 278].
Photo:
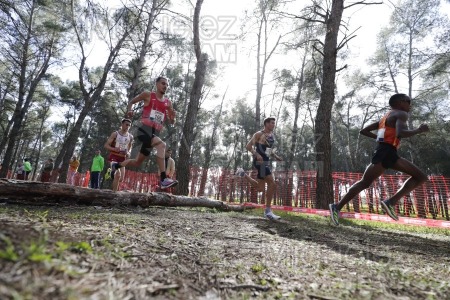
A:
[183, 173]
[25, 95]
[209, 149]
[324, 188]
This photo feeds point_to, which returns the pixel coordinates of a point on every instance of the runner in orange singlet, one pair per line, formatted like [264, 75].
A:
[391, 129]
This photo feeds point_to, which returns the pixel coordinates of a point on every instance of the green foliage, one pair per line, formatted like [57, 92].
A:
[40, 215]
[62, 246]
[9, 253]
[70, 94]
[37, 252]
[81, 247]
[258, 268]
[56, 104]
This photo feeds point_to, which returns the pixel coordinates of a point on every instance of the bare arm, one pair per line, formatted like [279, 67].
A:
[251, 144]
[277, 157]
[141, 97]
[171, 113]
[109, 142]
[367, 131]
[171, 165]
[402, 130]
[130, 145]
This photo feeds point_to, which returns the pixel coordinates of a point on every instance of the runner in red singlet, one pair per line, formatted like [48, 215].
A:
[119, 146]
[157, 109]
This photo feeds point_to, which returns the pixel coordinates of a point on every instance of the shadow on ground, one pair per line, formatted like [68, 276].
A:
[357, 240]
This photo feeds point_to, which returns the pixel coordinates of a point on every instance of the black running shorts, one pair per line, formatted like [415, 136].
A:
[385, 154]
[263, 168]
[145, 135]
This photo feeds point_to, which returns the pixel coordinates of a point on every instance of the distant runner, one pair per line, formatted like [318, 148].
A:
[119, 146]
[261, 147]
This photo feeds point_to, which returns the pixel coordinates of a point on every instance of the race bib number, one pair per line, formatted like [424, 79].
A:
[380, 134]
[156, 116]
[268, 151]
[123, 147]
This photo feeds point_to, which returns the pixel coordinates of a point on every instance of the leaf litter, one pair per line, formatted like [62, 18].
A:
[178, 253]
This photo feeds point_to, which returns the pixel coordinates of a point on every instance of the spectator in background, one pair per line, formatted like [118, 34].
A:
[20, 173]
[27, 167]
[97, 167]
[74, 163]
[55, 173]
[170, 164]
[47, 170]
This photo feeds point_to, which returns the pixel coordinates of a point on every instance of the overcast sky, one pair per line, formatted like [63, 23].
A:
[224, 20]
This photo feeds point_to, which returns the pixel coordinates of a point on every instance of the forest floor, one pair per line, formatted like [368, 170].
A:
[84, 252]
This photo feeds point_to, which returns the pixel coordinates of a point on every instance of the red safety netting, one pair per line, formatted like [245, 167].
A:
[297, 189]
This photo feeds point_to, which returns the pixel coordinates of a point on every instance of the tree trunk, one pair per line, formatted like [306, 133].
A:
[38, 193]
[5, 87]
[133, 90]
[39, 141]
[70, 142]
[290, 157]
[193, 107]
[324, 188]
[5, 138]
[21, 109]
[263, 55]
[82, 155]
[210, 148]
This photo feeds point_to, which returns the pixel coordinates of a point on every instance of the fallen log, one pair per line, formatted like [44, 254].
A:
[45, 193]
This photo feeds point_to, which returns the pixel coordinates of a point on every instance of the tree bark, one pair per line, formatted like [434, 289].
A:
[133, 90]
[70, 142]
[300, 84]
[324, 188]
[91, 94]
[210, 146]
[262, 56]
[26, 90]
[39, 193]
[183, 173]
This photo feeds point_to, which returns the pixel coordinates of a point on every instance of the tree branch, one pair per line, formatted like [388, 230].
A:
[363, 3]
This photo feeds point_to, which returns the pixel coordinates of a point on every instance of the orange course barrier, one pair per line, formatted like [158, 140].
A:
[297, 190]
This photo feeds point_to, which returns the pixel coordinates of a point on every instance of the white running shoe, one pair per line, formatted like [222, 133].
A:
[240, 172]
[167, 183]
[271, 216]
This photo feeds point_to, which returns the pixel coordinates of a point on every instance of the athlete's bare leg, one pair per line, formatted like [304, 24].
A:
[417, 178]
[135, 162]
[271, 185]
[259, 184]
[372, 172]
[118, 177]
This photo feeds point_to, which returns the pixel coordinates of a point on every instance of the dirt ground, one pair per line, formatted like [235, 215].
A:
[172, 253]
